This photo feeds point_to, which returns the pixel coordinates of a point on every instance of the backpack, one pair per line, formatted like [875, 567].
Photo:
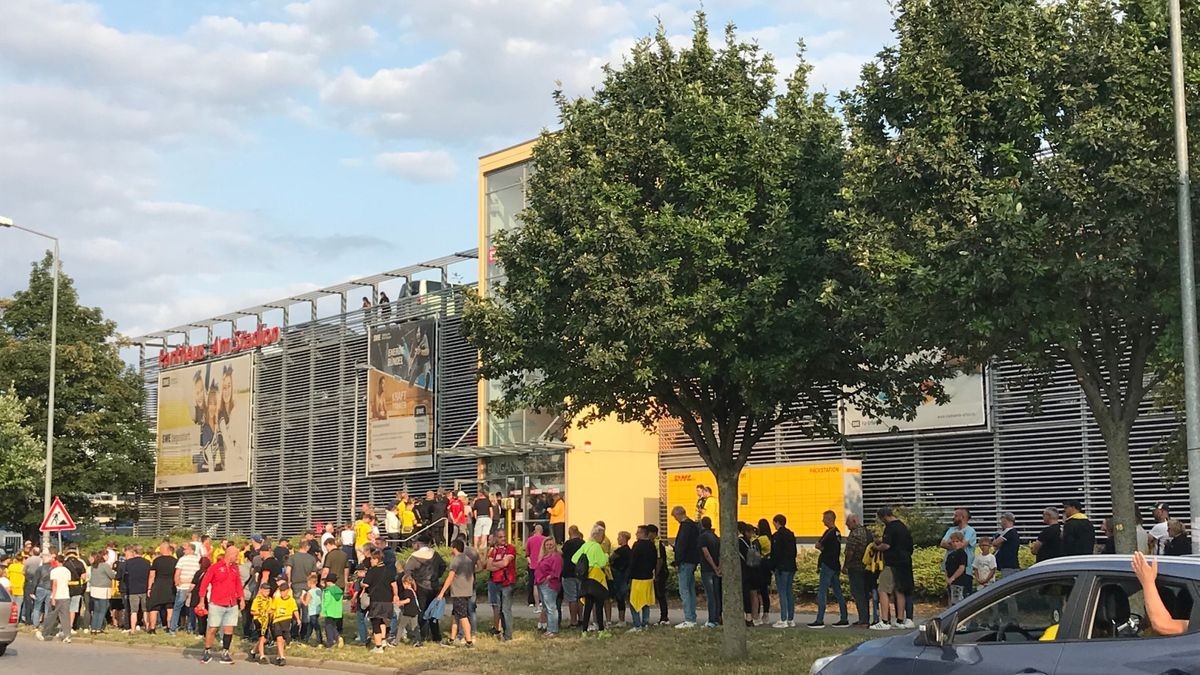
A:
[754, 556]
[582, 567]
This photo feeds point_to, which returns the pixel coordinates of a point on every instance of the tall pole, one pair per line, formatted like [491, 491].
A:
[47, 496]
[354, 460]
[1187, 276]
[50, 404]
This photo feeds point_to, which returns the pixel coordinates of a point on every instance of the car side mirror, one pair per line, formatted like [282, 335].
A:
[934, 635]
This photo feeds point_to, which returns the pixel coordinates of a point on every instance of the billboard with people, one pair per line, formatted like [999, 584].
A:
[401, 389]
[204, 423]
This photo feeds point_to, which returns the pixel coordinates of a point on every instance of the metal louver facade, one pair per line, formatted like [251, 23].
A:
[1026, 462]
[305, 428]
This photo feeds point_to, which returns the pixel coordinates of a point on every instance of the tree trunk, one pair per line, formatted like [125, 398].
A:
[733, 643]
[1125, 513]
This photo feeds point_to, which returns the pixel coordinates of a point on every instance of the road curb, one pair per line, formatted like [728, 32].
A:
[339, 666]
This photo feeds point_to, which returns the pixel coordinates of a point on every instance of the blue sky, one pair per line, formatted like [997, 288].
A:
[200, 157]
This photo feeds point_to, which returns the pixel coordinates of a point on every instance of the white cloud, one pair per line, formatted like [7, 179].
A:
[422, 165]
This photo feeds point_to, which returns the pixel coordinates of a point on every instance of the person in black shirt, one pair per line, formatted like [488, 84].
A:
[829, 567]
[957, 575]
[137, 583]
[643, 561]
[1179, 543]
[272, 569]
[1078, 533]
[1007, 544]
[783, 561]
[618, 561]
[379, 583]
[570, 583]
[897, 576]
[660, 574]
[687, 558]
[710, 570]
[1048, 544]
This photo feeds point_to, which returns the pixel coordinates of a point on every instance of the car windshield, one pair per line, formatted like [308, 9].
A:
[1026, 614]
[4, 596]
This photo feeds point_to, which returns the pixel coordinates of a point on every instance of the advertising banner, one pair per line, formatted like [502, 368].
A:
[204, 423]
[967, 407]
[400, 396]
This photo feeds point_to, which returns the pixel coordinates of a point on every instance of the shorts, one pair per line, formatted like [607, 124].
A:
[461, 608]
[570, 589]
[279, 629]
[381, 610]
[220, 616]
[887, 581]
[483, 526]
[902, 576]
[137, 602]
[496, 593]
[76, 601]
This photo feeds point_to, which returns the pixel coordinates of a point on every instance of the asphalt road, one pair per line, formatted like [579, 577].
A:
[27, 655]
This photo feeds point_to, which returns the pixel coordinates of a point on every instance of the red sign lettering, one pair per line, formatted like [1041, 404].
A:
[241, 341]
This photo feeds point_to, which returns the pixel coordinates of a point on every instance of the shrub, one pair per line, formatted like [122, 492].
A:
[926, 522]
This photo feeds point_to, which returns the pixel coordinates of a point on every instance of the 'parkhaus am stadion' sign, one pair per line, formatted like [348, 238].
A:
[242, 341]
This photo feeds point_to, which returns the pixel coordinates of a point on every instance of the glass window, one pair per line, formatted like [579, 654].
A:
[1026, 614]
[1118, 610]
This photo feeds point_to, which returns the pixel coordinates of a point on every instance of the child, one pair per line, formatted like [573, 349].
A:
[984, 568]
[410, 609]
[957, 581]
[284, 614]
[260, 614]
[312, 601]
[331, 611]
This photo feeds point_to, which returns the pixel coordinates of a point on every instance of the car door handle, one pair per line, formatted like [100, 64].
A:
[1030, 671]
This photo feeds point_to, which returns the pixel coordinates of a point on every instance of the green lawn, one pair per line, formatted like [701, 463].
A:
[660, 651]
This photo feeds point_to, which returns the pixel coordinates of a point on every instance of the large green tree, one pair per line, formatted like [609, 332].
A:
[22, 460]
[1010, 194]
[101, 440]
[673, 263]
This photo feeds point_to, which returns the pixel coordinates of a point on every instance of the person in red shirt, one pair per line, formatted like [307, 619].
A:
[221, 599]
[458, 516]
[502, 575]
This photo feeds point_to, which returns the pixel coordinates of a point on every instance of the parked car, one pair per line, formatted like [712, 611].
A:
[1080, 615]
[8, 620]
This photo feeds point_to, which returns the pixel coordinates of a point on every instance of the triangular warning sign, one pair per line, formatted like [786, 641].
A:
[57, 519]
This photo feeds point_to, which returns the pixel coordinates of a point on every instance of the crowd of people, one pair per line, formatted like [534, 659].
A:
[279, 592]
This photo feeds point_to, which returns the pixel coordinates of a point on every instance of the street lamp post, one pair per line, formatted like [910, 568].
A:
[1187, 276]
[8, 223]
[354, 461]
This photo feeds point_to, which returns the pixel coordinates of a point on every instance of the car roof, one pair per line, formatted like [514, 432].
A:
[1187, 567]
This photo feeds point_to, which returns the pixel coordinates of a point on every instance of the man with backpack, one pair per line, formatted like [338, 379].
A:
[857, 540]
[426, 568]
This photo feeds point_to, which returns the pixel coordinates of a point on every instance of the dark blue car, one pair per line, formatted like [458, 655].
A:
[1081, 615]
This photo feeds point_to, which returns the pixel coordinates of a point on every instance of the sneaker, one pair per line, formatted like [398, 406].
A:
[882, 625]
[205, 657]
[226, 659]
[791, 623]
[603, 635]
[377, 650]
[37, 633]
[816, 624]
[710, 624]
[341, 643]
[281, 661]
[686, 624]
[844, 623]
[894, 625]
[861, 624]
[758, 622]
[780, 624]
[418, 644]
[908, 623]
[264, 660]
[66, 640]
[470, 644]
[634, 630]
[664, 622]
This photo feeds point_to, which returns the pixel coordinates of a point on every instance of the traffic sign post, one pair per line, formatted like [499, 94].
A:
[57, 519]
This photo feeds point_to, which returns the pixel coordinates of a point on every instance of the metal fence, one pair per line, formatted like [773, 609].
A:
[307, 425]
[1025, 463]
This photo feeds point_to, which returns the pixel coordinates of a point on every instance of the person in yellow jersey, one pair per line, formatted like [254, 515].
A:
[261, 612]
[284, 614]
[408, 519]
[16, 579]
[362, 532]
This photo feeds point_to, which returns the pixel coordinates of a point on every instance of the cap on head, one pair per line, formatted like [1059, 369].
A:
[1073, 503]
[256, 538]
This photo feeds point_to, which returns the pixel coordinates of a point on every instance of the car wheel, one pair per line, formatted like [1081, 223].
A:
[2, 648]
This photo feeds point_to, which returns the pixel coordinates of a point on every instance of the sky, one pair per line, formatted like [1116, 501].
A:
[195, 158]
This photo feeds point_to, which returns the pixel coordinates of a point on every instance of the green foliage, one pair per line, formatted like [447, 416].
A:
[22, 461]
[926, 522]
[101, 441]
[1009, 193]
